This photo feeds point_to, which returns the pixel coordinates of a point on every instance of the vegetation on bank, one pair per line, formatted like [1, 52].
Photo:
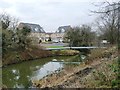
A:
[103, 76]
[99, 70]
[33, 53]
[54, 46]
[65, 52]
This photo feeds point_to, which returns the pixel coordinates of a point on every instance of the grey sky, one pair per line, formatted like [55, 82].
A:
[50, 14]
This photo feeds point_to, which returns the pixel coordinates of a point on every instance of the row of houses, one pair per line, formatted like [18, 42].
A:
[40, 35]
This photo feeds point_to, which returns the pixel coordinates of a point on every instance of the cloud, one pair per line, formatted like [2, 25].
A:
[50, 14]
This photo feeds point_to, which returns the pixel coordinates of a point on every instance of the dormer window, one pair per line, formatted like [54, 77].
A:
[63, 30]
[36, 29]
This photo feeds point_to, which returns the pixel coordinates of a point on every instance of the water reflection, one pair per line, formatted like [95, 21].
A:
[20, 75]
[46, 69]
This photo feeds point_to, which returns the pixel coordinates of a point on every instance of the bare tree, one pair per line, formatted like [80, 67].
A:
[5, 20]
[108, 24]
[14, 23]
[8, 21]
[111, 12]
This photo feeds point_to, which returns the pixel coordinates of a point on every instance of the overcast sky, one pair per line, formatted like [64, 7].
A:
[50, 14]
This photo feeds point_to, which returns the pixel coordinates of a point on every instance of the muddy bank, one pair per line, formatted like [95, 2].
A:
[26, 55]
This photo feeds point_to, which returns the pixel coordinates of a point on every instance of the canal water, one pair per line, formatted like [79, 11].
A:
[20, 75]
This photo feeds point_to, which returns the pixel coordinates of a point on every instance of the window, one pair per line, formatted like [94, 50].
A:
[36, 29]
[63, 30]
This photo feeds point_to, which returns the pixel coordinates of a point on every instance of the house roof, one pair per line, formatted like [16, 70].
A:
[34, 27]
[63, 29]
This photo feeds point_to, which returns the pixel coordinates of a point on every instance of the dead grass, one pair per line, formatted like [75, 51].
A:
[97, 54]
[28, 54]
[101, 76]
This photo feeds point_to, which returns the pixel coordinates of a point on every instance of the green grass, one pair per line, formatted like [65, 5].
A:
[54, 46]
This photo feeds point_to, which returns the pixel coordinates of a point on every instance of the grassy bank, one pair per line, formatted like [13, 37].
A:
[32, 53]
[98, 71]
[54, 46]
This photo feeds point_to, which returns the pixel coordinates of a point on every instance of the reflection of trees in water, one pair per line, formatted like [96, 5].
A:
[25, 73]
[75, 60]
[26, 70]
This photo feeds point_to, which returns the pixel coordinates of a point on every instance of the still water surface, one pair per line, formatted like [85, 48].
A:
[20, 75]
